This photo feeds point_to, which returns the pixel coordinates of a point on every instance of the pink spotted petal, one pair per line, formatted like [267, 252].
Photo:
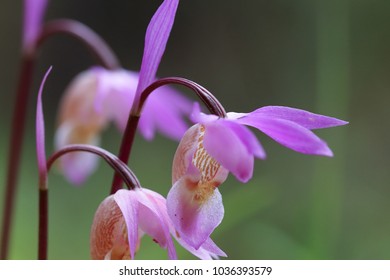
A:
[40, 131]
[156, 38]
[226, 147]
[193, 220]
[33, 14]
[129, 205]
[289, 134]
[303, 118]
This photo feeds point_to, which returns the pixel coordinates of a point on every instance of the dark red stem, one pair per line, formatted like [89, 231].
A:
[43, 224]
[15, 149]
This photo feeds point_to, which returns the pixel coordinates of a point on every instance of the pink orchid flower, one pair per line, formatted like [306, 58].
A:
[123, 218]
[99, 96]
[216, 146]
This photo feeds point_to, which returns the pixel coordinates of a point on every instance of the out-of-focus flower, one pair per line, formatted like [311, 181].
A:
[33, 14]
[123, 218]
[214, 146]
[98, 96]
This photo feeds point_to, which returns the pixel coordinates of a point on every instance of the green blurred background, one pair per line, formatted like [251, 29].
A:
[326, 56]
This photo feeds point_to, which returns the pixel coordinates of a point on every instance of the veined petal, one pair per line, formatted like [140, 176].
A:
[33, 14]
[108, 238]
[129, 205]
[195, 210]
[227, 148]
[182, 161]
[289, 134]
[40, 131]
[303, 118]
[156, 38]
[164, 111]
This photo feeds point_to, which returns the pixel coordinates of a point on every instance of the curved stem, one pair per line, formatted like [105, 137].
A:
[210, 101]
[15, 148]
[124, 171]
[86, 35]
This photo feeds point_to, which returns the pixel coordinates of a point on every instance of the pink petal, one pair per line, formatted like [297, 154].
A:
[164, 111]
[33, 14]
[115, 94]
[194, 220]
[77, 166]
[226, 147]
[129, 205]
[303, 118]
[289, 134]
[154, 220]
[156, 38]
[40, 131]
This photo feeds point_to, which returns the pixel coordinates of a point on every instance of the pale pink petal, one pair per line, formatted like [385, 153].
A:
[115, 94]
[303, 118]
[227, 148]
[289, 134]
[152, 220]
[129, 205]
[193, 219]
[165, 111]
[77, 166]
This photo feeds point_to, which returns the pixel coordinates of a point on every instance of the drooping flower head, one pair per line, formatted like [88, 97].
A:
[123, 218]
[215, 146]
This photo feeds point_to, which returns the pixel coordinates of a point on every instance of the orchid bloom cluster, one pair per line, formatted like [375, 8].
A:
[216, 144]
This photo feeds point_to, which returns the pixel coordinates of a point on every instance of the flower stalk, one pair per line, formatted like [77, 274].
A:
[104, 55]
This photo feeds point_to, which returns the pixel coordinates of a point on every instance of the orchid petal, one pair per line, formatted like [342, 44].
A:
[303, 118]
[156, 38]
[115, 94]
[289, 134]
[193, 219]
[33, 14]
[164, 111]
[152, 220]
[129, 205]
[40, 131]
[227, 148]
[78, 166]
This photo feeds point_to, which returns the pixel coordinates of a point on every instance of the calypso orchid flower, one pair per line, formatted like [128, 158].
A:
[123, 218]
[215, 146]
[98, 96]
